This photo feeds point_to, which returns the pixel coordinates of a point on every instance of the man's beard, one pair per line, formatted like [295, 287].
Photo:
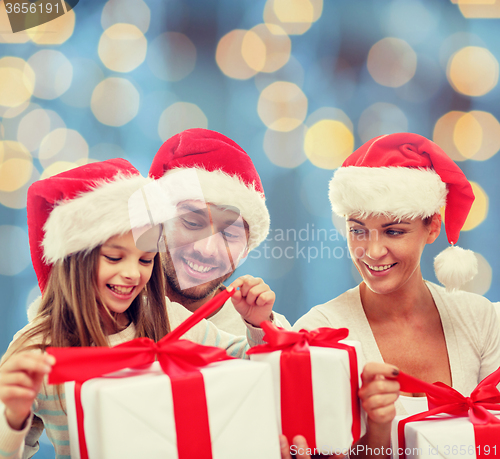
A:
[191, 294]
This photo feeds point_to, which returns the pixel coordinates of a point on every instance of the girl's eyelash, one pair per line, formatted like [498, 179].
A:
[112, 258]
[146, 262]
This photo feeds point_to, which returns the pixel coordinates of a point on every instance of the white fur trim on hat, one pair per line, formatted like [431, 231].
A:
[109, 209]
[219, 188]
[455, 266]
[400, 191]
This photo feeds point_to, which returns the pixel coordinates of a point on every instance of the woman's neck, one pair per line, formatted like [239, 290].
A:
[412, 298]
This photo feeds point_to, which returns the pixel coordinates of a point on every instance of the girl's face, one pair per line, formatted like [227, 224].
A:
[123, 272]
[386, 251]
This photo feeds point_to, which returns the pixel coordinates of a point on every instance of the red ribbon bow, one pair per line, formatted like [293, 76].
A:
[297, 407]
[444, 399]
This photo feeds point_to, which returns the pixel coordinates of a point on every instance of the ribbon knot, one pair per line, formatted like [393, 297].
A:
[445, 399]
[470, 402]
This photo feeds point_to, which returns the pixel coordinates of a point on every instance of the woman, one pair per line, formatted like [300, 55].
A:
[391, 191]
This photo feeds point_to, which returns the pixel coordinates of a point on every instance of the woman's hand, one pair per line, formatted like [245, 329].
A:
[21, 377]
[254, 300]
[378, 393]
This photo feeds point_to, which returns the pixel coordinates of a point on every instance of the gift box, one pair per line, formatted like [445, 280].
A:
[454, 426]
[130, 414]
[316, 381]
[167, 399]
[442, 436]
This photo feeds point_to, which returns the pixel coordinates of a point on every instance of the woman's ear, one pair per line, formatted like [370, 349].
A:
[434, 228]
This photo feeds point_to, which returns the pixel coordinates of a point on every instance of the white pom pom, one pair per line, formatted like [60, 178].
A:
[33, 308]
[455, 266]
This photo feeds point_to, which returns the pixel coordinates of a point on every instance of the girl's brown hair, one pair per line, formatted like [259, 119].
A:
[70, 313]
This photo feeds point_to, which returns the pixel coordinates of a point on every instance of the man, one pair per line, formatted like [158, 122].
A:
[220, 216]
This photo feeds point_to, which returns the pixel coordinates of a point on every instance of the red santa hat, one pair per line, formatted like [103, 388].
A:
[80, 209]
[409, 176]
[224, 171]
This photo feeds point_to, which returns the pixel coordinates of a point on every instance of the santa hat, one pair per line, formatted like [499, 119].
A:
[80, 209]
[409, 176]
[224, 171]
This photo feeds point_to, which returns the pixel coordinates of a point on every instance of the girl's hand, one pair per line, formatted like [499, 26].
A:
[21, 377]
[254, 300]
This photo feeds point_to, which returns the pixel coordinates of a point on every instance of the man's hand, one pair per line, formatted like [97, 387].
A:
[254, 300]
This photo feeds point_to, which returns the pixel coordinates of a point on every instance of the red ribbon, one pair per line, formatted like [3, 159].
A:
[445, 399]
[297, 407]
[179, 359]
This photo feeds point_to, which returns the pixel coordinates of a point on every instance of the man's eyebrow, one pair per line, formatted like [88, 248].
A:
[192, 208]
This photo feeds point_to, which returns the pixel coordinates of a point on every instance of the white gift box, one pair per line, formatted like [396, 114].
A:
[331, 386]
[129, 414]
[442, 436]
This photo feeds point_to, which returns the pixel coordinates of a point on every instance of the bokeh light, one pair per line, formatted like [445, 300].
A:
[379, 119]
[266, 48]
[479, 209]
[115, 101]
[285, 149]
[490, 130]
[294, 16]
[13, 112]
[171, 56]
[467, 135]
[53, 73]
[14, 250]
[282, 106]
[392, 62]
[62, 145]
[329, 113]
[473, 135]
[122, 47]
[481, 283]
[17, 199]
[54, 32]
[35, 125]
[17, 81]
[87, 74]
[487, 9]
[473, 71]
[134, 12]
[180, 116]
[16, 165]
[328, 143]
[229, 54]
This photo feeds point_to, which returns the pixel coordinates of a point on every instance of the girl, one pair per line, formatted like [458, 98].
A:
[391, 191]
[101, 282]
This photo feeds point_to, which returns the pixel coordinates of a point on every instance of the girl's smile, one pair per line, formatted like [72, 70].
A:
[123, 272]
